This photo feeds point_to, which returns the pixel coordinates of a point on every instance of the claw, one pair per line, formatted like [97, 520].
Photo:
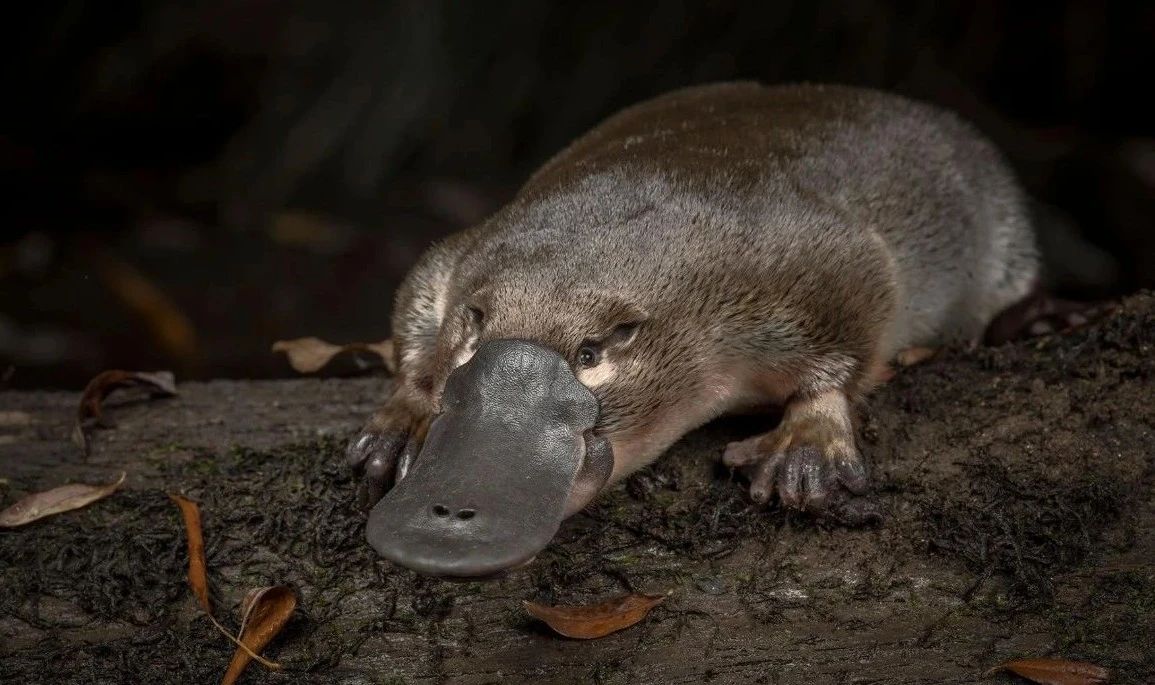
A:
[379, 475]
[408, 456]
[806, 480]
[762, 483]
[368, 444]
[851, 474]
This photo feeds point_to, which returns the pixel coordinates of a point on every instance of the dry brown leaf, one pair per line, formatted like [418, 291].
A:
[198, 578]
[309, 355]
[265, 612]
[55, 501]
[90, 413]
[1055, 671]
[596, 620]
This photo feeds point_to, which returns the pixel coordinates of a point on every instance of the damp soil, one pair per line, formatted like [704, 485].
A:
[1014, 487]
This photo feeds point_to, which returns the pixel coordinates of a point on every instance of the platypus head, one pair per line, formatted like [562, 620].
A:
[561, 364]
[512, 453]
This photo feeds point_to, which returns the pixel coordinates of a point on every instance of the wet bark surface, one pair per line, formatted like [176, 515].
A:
[1016, 487]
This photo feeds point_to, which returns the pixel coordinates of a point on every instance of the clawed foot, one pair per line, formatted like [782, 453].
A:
[808, 461]
[1041, 314]
[384, 449]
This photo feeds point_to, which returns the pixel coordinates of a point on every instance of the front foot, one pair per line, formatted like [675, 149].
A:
[809, 460]
[382, 452]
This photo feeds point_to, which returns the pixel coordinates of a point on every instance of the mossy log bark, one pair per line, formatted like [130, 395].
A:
[1016, 487]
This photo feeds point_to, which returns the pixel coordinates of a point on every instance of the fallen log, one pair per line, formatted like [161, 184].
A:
[1014, 485]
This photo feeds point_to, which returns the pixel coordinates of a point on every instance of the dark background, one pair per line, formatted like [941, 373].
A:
[186, 183]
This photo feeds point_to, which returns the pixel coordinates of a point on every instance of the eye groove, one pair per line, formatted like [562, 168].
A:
[624, 333]
[475, 314]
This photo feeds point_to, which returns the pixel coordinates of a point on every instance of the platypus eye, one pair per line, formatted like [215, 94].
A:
[588, 356]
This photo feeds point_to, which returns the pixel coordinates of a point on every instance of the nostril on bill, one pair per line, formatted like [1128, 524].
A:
[440, 510]
[466, 514]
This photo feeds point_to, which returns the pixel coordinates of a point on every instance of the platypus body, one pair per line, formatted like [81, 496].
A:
[712, 250]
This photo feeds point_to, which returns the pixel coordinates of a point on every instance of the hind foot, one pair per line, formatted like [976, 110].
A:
[807, 460]
[381, 453]
[911, 356]
[1041, 314]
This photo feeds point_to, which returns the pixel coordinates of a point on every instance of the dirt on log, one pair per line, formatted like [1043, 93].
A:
[1015, 486]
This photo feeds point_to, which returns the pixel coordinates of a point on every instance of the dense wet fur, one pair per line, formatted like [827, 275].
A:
[729, 245]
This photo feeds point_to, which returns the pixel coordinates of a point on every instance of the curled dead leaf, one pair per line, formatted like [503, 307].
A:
[55, 501]
[309, 355]
[595, 620]
[265, 612]
[1055, 671]
[90, 413]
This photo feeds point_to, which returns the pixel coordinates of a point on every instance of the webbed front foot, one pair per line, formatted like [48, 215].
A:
[381, 453]
[808, 460]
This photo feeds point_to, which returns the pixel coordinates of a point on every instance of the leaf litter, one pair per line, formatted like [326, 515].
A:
[90, 413]
[197, 572]
[1048, 671]
[55, 501]
[587, 622]
[265, 610]
[309, 355]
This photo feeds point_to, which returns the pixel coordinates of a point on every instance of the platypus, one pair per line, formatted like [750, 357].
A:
[712, 250]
